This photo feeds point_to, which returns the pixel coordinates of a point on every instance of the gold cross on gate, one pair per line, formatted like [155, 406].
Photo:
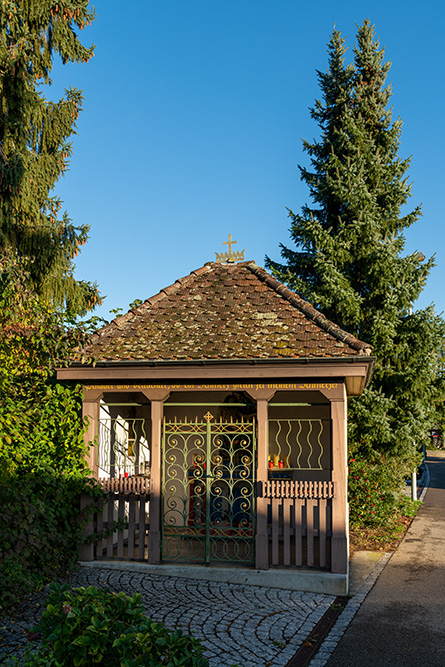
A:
[230, 243]
[208, 417]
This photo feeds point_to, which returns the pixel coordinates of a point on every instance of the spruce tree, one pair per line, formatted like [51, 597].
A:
[349, 261]
[35, 146]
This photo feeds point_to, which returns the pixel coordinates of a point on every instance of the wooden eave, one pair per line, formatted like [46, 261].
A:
[355, 371]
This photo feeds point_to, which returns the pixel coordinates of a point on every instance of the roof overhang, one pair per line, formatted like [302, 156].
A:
[354, 371]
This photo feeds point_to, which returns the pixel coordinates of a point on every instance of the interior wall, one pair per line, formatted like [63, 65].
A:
[300, 436]
[124, 435]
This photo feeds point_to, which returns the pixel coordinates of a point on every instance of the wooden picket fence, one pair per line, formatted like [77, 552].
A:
[299, 522]
[126, 508]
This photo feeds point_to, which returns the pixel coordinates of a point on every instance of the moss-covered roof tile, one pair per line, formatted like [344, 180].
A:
[223, 311]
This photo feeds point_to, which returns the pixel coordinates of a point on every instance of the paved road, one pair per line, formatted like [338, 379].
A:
[401, 623]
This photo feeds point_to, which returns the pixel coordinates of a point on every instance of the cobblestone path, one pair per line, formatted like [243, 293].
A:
[250, 626]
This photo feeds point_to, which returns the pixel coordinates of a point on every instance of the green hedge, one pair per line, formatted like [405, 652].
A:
[41, 530]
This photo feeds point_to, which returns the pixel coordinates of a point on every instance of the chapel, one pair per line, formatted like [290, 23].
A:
[217, 415]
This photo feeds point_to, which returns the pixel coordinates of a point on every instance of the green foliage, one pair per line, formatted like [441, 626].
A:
[375, 485]
[40, 421]
[90, 626]
[349, 262]
[42, 450]
[41, 427]
[35, 146]
[34, 336]
[41, 529]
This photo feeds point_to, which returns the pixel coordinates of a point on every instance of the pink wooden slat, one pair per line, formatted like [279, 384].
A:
[141, 546]
[322, 531]
[262, 553]
[275, 532]
[329, 519]
[120, 534]
[110, 519]
[310, 504]
[298, 505]
[131, 525]
[286, 530]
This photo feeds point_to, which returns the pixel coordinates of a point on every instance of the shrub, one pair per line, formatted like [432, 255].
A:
[91, 626]
[41, 529]
[375, 486]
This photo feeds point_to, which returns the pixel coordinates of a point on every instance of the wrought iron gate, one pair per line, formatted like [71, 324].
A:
[208, 508]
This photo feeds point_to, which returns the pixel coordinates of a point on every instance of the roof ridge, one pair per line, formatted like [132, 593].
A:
[309, 310]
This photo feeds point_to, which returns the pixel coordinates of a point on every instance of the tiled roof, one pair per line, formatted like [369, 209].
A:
[223, 311]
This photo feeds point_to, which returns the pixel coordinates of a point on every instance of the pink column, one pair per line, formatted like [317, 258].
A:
[157, 398]
[262, 397]
[90, 411]
[340, 523]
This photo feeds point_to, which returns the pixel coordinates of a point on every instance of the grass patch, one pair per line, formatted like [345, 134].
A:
[379, 538]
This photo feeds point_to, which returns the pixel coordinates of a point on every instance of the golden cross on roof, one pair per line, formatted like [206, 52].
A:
[230, 256]
[230, 243]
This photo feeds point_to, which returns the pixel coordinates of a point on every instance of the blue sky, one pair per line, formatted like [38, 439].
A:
[192, 124]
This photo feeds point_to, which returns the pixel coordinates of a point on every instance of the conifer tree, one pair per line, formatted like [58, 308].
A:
[348, 260]
[35, 146]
